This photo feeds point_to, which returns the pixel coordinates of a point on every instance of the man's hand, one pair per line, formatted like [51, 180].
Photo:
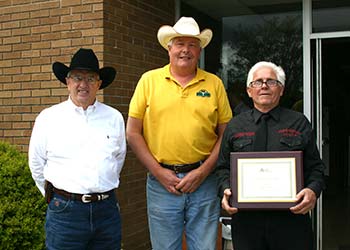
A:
[191, 181]
[168, 179]
[307, 200]
[225, 204]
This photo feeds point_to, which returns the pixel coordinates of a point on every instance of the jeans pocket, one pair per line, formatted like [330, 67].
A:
[151, 176]
[113, 203]
[58, 204]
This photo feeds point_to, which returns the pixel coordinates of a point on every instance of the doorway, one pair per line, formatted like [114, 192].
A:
[334, 83]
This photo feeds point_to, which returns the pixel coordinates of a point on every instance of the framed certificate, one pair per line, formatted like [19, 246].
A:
[266, 180]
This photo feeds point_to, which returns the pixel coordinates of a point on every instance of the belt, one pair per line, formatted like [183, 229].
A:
[85, 198]
[182, 168]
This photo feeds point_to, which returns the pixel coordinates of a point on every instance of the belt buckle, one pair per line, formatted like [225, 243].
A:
[178, 167]
[86, 198]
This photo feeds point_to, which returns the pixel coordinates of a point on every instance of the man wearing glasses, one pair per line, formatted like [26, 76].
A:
[284, 130]
[76, 153]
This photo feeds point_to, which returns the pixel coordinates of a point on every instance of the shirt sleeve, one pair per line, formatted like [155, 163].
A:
[120, 157]
[222, 169]
[225, 113]
[37, 152]
[138, 101]
[313, 166]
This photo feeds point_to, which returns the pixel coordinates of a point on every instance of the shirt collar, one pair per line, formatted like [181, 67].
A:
[91, 108]
[200, 75]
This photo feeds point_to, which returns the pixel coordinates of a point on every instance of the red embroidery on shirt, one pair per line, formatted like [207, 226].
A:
[242, 134]
[289, 132]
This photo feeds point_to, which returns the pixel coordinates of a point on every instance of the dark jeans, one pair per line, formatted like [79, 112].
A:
[271, 230]
[76, 225]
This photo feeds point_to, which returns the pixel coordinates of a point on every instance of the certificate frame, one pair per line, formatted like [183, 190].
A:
[266, 180]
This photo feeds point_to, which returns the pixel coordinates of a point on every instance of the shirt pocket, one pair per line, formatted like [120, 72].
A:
[292, 143]
[107, 141]
[242, 145]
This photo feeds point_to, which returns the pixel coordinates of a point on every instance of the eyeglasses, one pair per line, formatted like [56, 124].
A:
[80, 79]
[259, 83]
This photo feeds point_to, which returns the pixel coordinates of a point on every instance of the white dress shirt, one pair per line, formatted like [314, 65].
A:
[79, 151]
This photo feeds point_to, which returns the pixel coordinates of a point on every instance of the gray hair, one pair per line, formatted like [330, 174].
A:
[281, 76]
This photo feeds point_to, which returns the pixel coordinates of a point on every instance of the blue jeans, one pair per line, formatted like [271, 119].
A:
[169, 215]
[75, 225]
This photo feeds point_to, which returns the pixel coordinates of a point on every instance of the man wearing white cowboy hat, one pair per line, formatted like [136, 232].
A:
[76, 153]
[177, 116]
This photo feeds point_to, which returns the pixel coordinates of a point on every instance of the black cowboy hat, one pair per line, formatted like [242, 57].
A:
[84, 59]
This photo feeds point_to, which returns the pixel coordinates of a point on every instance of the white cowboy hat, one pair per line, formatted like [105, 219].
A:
[185, 26]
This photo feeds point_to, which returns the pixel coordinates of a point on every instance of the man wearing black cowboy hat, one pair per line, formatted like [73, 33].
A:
[76, 153]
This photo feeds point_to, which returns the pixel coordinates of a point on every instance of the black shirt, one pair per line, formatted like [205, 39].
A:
[287, 131]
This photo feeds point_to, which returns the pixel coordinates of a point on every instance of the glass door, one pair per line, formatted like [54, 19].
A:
[330, 89]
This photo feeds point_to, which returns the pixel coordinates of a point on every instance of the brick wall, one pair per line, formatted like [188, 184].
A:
[36, 33]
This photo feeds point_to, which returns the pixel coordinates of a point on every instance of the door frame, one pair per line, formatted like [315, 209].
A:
[314, 99]
[312, 96]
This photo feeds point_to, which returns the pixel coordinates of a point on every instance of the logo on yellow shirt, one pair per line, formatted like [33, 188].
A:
[203, 93]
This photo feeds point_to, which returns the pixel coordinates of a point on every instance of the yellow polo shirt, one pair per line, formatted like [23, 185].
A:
[179, 124]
